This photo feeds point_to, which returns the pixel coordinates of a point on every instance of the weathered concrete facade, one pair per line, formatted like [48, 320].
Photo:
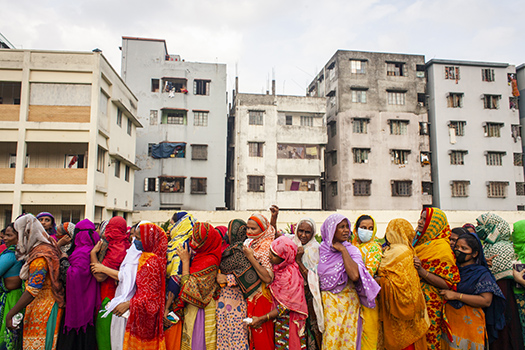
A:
[276, 148]
[477, 157]
[378, 142]
[68, 126]
[182, 103]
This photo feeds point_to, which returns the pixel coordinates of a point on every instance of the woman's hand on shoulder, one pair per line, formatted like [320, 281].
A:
[339, 247]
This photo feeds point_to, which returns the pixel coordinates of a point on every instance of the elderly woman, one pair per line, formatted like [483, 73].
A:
[65, 233]
[345, 285]
[44, 294]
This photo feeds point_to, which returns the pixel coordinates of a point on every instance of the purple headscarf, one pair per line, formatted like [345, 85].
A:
[82, 289]
[331, 269]
[53, 230]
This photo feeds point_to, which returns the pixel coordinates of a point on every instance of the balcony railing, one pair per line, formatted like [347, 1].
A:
[7, 175]
[9, 113]
[61, 176]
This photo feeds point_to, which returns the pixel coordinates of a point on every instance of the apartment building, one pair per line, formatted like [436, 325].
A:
[182, 148]
[476, 142]
[378, 151]
[276, 152]
[68, 126]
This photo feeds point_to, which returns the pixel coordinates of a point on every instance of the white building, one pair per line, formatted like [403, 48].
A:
[68, 126]
[275, 156]
[182, 148]
[477, 157]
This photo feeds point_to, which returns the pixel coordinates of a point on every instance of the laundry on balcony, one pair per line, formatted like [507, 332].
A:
[168, 150]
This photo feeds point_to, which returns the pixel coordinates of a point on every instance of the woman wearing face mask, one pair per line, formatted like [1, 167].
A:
[364, 238]
[477, 296]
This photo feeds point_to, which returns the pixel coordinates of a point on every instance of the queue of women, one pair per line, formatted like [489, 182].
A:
[251, 286]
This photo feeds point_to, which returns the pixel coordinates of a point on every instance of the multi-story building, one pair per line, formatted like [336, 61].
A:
[477, 157]
[378, 144]
[520, 77]
[4, 43]
[68, 126]
[276, 152]
[182, 148]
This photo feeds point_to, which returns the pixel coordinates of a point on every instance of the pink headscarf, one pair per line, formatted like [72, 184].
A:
[288, 287]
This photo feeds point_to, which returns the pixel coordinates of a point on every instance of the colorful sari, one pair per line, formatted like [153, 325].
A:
[144, 329]
[496, 234]
[9, 267]
[518, 238]
[178, 234]
[371, 252]
[261, 301]
[342, 298]
[467, 323]
[403, 310]
[199, 289]
[432, 247]
[288, 292]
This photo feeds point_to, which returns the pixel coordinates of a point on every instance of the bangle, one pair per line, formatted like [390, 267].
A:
[426, 274]
[267, 317]
[460, 296]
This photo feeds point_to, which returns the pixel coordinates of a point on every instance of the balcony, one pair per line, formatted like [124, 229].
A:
[59, 114]
[9, 113]
[7, 175]
[55, 176]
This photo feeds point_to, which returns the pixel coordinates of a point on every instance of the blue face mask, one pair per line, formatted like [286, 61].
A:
[138, 245]
[364, 235]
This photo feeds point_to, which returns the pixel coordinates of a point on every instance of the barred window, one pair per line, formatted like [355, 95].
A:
[497, 189]
[492, 129]
[289, 120]
[518, 159]
[171, 184]
[398, 127]
[491, 101]
[487, 75]
[426, 188]
[153, 117]
[198, 185]
[495, 158]
[516, 132]
[361, 155]
[402, 188]
[357, 67]
[452, 73]
[255, 117]
[255, 149]
[201, 87]
[520, 188]
[360, 125]
[333, 156]
[307, 120]
[200, 118]
[459, 126]
[395, 69]
[333, 187]
[199, 152]
[359, 96]
[362, 187]
[457, 157]
[460, 188]
[455, 100]
[255, 183]
[399, 156]
[175, 117]
[514, 102]
[396, 98]
[333, 129]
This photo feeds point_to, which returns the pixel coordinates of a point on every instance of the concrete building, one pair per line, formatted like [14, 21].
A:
[4, 43]
[477, 157]
[378, 144]
[182, 148]
[68, 126]
[520, 76]
[276, 152]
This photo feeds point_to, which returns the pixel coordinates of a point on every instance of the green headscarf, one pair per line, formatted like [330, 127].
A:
[518, 237]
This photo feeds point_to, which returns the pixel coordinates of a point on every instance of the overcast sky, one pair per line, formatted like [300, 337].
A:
[293, 38]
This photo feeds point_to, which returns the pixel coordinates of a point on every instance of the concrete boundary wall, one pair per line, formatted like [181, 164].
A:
[382, 217]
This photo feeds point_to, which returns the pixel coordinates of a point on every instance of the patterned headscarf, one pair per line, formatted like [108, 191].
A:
[495, 231]
[154, 240]
[179, 232]
[371, 250]
[261, 242]
[53, 230]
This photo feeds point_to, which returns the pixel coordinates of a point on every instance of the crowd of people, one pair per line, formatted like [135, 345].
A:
[253, 286]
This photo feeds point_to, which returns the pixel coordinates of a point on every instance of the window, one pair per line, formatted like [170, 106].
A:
[395, 69]
[297, 151]
[117, 168]
[493, 129]
[155, 85]
[426, 188]
[333, 156]
[150, 148]
[333, 187]
[255, 149]
[129, 126]
[455, 100]
[70, 215]
[420, 70]
[151, 184]
[361, 155]
[255, 183]
[402, 188]
[520, 189]
[425, 158]
[515, 132]
[174, 117]
[171, 184]
[198, 185]
[399, 156]
[514, 102]
[495, 158]
[307, 120]
[333, 129]
[362, 187]
[398, 127]
[357, 67]
[153, 117]
[491, 101]
[200, 118]
[459, 188]
[421, 99]
[521, 207]
[457, 157]
[359, 96]
[458, 126]
[10, 93]
[331, 69]
[288, 183]
[12, 161]
[119, 117]
[127, 171]
[255, 117]
[201, 87]
[74, 161]
[497, 189]
[423, 128]
[199, 152]
[101, 158]
[174, 85]
[487, 75]
[396, 98]
[518, 159]
[452, 73]
[360, 125]
[289, 120]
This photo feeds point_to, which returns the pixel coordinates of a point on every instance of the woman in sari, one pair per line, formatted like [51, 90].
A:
[48, 222]
[476, 294]
[436, 266]
[144, 330]
[82, 292]
[238, 280]
[44, 294]
[260, 302]
[199, 288]
[518, 238]
[345, 285]
[364, 238]
[496, 233]
[402, 306]
[10, 288]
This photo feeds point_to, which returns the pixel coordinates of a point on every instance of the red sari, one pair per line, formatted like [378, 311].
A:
[118, 243]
